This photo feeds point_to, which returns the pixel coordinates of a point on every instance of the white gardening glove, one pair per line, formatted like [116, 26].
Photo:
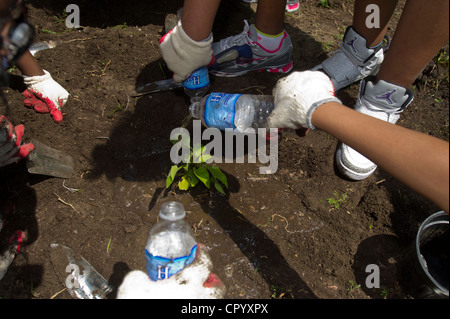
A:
[11, 148]
[45, 95]
[297, 96]
[196, 281]
[184, 55]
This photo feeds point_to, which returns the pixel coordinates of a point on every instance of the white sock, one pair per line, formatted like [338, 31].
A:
[269, 42]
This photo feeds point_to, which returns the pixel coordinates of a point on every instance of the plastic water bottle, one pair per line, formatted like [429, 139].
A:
[171, 245]
[241, 112]
[197, 84]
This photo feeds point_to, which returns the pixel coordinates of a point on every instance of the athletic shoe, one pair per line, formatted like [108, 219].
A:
[382, 100]
[291, 5]
[237, 55]
[353, 61]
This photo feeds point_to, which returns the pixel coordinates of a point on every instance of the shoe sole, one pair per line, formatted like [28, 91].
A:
[344, 170]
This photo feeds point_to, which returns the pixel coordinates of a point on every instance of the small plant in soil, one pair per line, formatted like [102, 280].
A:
[195, 169]
[338, 200]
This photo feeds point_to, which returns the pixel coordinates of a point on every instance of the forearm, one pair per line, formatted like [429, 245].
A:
[198, 18]
[419, 161]
[28, 65]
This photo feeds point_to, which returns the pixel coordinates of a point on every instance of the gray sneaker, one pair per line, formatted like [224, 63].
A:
[237, 55]
[384, 101]
[353, 61]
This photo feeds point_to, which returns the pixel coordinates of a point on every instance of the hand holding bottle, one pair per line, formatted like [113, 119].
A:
[297, 96]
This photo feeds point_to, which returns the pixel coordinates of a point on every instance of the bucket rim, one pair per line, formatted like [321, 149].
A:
[425, 224]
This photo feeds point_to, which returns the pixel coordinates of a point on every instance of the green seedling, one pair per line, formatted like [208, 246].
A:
[337, 201]
[324, 3]
[384, 293]
[109, 243]
[118, 107]
[195, 169]
[352, 286]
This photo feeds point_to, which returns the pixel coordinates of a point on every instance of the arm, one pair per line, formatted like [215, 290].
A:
[419, 161]
[28, 65]
[198, 18]
[306, 99]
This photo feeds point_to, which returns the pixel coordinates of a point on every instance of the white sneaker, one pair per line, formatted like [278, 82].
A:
[382, 100]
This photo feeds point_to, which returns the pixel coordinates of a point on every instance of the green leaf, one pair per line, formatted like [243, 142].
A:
[184, 184]
[203, 175]
[193, 179]
[219, 187]
[205, 157]
[218, 174]
[172, 174]
[197, 153]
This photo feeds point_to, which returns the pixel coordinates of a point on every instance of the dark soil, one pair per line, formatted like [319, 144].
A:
[271, 236]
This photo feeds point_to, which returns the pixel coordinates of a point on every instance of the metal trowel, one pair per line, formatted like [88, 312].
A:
[45, 160]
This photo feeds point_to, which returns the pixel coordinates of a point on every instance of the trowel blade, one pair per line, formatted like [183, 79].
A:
[45, 160]
[158, 86]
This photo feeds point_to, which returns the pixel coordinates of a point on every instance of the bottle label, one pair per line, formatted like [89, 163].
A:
[159, 268]
[220, 110]
[197, 80]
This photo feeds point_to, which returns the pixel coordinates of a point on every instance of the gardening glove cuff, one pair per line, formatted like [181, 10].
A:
[184, 55]
[11, 150]
[45, 95]
[297, 96]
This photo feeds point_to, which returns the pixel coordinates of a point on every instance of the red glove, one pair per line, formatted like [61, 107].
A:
[11, 149]
[6, 258]
[40, 104]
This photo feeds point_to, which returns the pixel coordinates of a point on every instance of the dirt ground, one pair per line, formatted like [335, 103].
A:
[272, 236]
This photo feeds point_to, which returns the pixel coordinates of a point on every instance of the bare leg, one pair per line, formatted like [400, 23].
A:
[421, 32]
[198, 18]
[373, 36]
[270, 16]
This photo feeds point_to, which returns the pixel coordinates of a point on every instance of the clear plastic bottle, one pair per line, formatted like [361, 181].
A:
[242, 112]
[80, 278]
[171, 245]
[197, 84]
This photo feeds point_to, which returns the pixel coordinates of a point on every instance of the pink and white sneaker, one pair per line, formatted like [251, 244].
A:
[240, 54]
[291, 5]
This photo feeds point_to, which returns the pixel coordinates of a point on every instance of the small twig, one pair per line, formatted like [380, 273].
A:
[59, 292]
[287, 224]
[65, 203]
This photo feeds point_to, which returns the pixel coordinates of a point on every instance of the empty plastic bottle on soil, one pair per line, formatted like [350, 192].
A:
[171, 245]
[242, 112]
[197, 84]
[80, 278]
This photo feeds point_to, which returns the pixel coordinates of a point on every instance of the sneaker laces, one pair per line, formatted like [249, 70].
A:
[235, 40]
